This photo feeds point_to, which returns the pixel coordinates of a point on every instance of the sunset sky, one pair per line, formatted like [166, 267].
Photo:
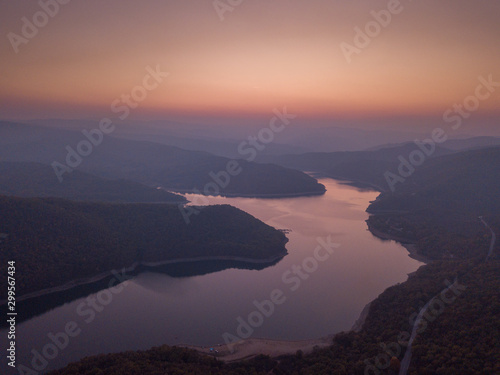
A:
[263, 54]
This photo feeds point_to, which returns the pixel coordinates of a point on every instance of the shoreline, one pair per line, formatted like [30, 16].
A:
[134, 266]
[358, 324]
[411, 247]
[258, 196]
[349, 181]
[252, 347]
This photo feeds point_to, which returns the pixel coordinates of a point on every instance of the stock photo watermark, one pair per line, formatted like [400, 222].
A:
[11, 313]
[293, 279]
[122, 107]
[363, 37]
[248, 149]
[31, 27]
[223, 6]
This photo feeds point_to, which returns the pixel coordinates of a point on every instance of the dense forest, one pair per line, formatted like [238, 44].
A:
[466, 183]
[439, 207]
[54, 241]
[164, 360]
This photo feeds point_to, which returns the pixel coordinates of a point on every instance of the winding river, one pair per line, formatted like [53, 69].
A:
[321, 290]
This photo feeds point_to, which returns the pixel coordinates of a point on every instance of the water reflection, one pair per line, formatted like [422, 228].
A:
[35, 306]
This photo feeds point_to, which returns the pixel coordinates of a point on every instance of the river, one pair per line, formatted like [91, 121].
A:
[198, 303]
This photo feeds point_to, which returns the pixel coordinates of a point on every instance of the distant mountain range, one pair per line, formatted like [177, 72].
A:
[222, 136]
[461, 144]
[151, 164]
[370, 167]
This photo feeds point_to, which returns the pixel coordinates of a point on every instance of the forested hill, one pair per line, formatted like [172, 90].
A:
[371, 166]
[150, 163]
[55, 241]
[24, 179]
[438, 208]
[466, 182]
[362, 166]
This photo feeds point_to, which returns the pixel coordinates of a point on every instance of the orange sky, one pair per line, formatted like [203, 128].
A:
[265, 53]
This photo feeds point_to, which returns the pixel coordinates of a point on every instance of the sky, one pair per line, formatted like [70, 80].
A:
[415, 59]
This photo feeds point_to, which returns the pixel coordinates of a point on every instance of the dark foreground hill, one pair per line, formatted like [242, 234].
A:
[56, 241]
[26, 179]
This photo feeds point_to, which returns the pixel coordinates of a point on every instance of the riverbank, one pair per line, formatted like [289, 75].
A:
[358, 324]
[348, 181]
[257, 196]
[249, 348]
[412, 248]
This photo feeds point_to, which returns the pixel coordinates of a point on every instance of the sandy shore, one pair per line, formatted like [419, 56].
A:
[250, 348]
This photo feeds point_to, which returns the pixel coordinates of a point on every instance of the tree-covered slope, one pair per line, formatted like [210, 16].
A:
[466, 182]
[438, 208]
[164, 360]
[55, 241]
[24, 179]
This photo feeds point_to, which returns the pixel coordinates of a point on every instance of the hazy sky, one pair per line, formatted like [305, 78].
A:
[263, 54]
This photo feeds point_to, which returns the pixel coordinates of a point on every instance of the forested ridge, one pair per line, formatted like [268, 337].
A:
[54, 241]
[39, 180]
[154, 164]
[438, 208]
